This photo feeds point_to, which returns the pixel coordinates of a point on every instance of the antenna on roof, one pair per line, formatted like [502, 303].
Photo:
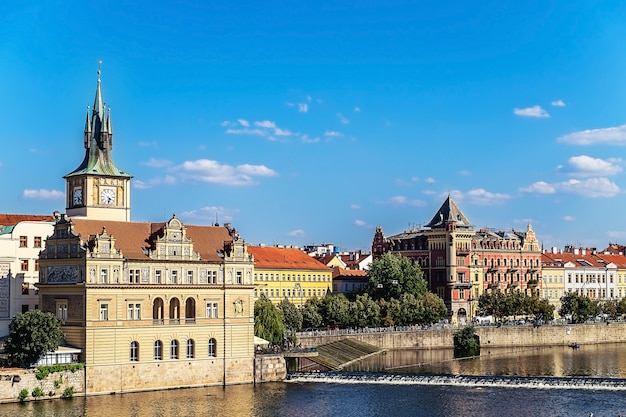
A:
[216, 222]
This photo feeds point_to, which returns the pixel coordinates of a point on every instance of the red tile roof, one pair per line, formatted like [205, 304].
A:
[132, 237]
[11, 219]
[348, 273]
[284, 258]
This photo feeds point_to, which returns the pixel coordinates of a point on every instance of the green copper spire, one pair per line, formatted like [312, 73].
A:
[98, 141]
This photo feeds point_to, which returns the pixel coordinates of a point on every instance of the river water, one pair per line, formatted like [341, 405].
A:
[557, 381]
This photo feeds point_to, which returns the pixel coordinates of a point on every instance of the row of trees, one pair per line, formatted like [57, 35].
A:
[581, 308]
[514, 304]
[397, 294]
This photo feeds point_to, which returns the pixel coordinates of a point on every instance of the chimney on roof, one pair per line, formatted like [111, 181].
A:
[555, 250]
[575, 251]
[583, 251]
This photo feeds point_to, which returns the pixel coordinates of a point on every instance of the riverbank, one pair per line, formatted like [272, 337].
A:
[490, 336]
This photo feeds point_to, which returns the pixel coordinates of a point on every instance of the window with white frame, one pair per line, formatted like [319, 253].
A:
[133, 276]
[212, 348]
[174, 277]
[212, 277]
[157, 276]
[62, 310]
[104, 311]
[189, 277]
[158, 350]
[190, 349]
[174, 349]
[103, 276]
[134, 311]
[134, 351]
[211, 310]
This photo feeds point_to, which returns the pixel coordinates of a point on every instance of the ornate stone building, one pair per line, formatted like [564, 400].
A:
[151, 305]
[460, 263]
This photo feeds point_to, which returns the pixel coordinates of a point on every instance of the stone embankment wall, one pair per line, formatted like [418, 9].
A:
[12, 381]
[269, 368]
[505, 336]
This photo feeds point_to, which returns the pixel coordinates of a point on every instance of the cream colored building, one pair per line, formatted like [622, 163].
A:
[21, 238]
[289, 273]
[151, 305]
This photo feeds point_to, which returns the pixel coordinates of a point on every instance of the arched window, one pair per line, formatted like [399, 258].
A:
[157, 311]
[158, 350]
[190, 349]
[174, 311]
[212, 348]
[134, 351]
[190, 310]
[174, 349]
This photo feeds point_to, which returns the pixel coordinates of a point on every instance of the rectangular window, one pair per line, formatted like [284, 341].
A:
[134, 311]
[239, 277]
[62, 311]
[36, 265]
[37, 242]
[174, 277]
[24, 308]
[134, 351]
[23, 241]
[24, 264]
[157, 276]
[211, 310]
[133, 276]
[189, 277]
[462, 294]
[104, 311]
[25, 288]
[103, 276]
[212, 277]
[440, 292]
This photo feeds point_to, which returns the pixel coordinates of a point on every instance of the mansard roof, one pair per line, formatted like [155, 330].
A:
[449, 212]
[133, 239]
[270, 257]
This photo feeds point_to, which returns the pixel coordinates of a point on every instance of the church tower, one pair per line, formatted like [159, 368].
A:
[98, 189]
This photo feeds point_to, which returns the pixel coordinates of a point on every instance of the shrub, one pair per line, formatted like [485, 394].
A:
[466, 342]
[23, 395]
[37, 392]
[68, 392]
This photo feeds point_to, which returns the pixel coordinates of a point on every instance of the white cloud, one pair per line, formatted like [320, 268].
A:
[343, 119]
[403, 201]
[243, 122]
[360, 223]
[357, 109]
[210, 213]
[307, 139]
[607, 136]
[205, 170]
[297, 233]
[165, 180]
[332, 133]
[303, 107]
[148, 144]
[465, 173]
[615, 235]
[355, 206]
[477, 196]
[587, 166]
[568, 218]
[265, 123]
[157, 163]
[430, 180]
[592, 187]
[282, 132]
[42, 194]
[246, 131]
[558, 103]
[534, 111]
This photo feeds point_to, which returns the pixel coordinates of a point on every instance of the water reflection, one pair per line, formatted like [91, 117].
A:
[606, 360]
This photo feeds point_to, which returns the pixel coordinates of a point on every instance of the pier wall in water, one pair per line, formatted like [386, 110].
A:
[505, 336]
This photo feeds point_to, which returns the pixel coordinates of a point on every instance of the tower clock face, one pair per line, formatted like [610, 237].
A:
[107, 196]
[78, 196]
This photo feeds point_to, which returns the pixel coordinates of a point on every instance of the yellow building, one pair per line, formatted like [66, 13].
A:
[151, 305]
[281, 273]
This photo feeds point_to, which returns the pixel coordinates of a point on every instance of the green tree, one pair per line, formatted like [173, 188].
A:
[310, 314]
[268, 321]
[435, 309]
[580, 308]
[466, 342]
[621, 306]
[392, 275]
[292, 317]
[31, 335]
[364, 311]
[610, 309]
[334, 310]
[389, 311]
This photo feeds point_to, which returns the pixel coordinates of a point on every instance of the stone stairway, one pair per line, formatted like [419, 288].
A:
[336, 355]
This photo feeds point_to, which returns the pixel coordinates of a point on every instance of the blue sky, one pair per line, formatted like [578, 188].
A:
[312, 122]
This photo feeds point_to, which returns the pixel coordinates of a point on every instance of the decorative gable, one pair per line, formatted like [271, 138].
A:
[172, 243]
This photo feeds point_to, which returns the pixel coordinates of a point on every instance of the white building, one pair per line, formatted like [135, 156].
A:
[22, 237]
